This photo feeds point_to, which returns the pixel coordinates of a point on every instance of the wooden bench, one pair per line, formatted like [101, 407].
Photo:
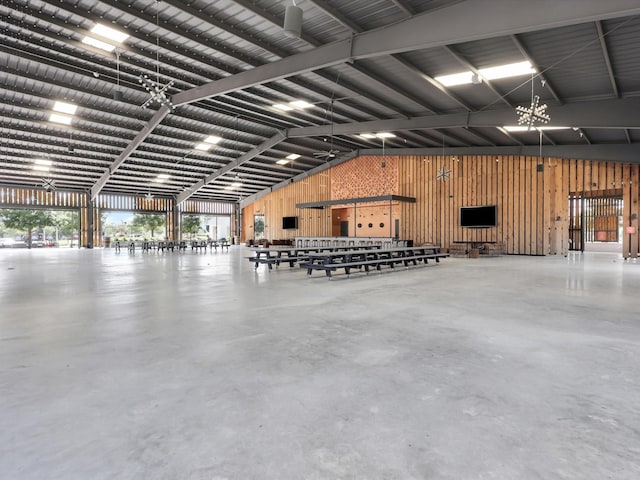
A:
[367, 263]
[222, 245]
[270, 261]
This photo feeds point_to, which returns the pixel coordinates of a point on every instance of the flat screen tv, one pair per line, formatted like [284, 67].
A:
[289, 223]
[478, 217]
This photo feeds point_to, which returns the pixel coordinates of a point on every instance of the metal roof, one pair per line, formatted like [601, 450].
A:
[363, 65]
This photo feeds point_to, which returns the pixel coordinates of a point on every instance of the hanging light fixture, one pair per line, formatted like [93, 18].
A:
[293, 21]
[117, 93]
[157, 91]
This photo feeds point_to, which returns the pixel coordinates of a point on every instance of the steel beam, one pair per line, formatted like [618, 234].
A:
[596, 114]
[135, 143]
[266, 145]
[446, 26]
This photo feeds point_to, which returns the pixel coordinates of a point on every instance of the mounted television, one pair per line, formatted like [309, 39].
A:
[478, 217]
[289, 223]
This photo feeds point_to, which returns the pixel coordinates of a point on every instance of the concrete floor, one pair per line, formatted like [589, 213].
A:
[195, 366]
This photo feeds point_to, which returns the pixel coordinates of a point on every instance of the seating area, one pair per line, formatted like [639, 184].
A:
[170, 245]
[355, 258]
[367, 259]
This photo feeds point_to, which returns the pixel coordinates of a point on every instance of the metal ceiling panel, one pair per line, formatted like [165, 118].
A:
[42, 59]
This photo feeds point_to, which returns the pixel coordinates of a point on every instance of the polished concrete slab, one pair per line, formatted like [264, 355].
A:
[195, 366]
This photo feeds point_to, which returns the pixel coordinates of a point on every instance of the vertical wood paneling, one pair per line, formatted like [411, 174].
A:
[532, 205]
[634, 240]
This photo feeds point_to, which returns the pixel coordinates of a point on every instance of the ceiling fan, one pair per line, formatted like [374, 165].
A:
[49, 184]
[331, 152]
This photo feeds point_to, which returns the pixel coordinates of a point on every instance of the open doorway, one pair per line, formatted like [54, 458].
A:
[595, 222]
[258, 227]
[36, 228]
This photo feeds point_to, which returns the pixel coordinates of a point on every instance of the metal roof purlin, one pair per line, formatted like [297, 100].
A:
[437, 28]
[135, 143]
[266, 145]
[616, 113]
[445, 26]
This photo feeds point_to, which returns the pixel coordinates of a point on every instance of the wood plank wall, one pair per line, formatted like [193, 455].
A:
[282, 203]
[531, 195]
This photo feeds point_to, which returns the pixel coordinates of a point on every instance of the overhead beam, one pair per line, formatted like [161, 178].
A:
[266, 145]
[619, 152]
[446, 26]
[135, 143]
[597, 114]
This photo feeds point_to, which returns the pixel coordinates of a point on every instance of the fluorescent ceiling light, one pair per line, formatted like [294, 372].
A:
[236, 184]
[377, 135]
[64, 107]
[41, 161]
[110, 33]
[203, 146]
[301, 104]
[489, 73]
[94, 42]
[64, 119]
[455, 79]
[283, 107]
[163, 176]
[41, 168]
[509, 70]
[213, 139]
[228, 187]
[284, 161]
[524, 128]
[292, 156]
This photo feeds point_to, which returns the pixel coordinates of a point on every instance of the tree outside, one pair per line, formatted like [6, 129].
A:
[191, 225]
[148, 222]
[28, 220]
[258, 227]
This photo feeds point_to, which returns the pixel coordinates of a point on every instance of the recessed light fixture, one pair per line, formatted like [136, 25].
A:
[162, 177]
[489, 73]
[454, 79]
[228, 187]
[42, 165]
[296, 104]
[110, 33]
[292, 156]
[370, 136]
[203, 146]
[94, 42]
[213, 139]
[236, 184]
[283, 161]
[508, 70]
[57, 118]
[64, 107]
[301, 104]
[282, 106]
